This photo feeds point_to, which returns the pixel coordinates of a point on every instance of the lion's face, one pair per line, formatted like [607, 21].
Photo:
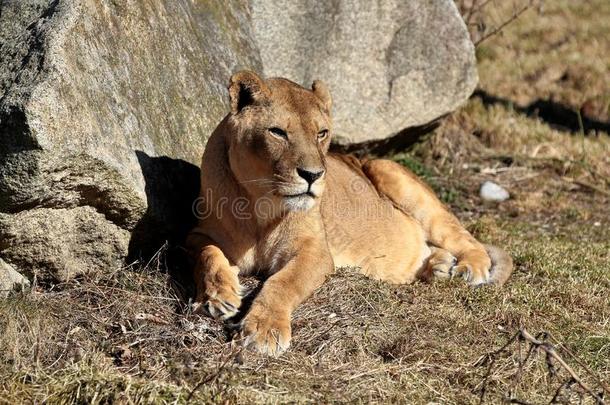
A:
[282, 136]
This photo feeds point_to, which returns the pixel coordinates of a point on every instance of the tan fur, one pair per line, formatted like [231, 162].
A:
[375, 215]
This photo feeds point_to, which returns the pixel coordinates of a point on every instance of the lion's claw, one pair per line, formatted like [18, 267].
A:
[221, 298]
[473, 276]
[266, 332]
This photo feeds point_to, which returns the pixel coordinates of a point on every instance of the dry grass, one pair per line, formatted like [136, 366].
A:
[557, 52]
[127, 337]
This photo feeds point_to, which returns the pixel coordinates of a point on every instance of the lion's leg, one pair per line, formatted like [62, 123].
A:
[441, 227]
[266, 327]
[217, 282]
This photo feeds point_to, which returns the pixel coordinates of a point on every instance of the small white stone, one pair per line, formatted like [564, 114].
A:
[490, 191]
[597, 223]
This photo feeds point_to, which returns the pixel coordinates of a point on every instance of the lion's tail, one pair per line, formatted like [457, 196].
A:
[501, 265]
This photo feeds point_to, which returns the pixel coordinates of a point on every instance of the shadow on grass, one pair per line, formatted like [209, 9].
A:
[555, 114]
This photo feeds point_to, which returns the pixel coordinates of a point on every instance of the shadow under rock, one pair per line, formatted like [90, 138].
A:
[388, 146]
[555, 114]
[171, 187]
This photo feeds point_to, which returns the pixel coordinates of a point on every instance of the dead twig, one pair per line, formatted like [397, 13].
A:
[540, 343]
[474, 13]
[583, 365]
[500, 27]
[550, 351]
[490, 359]
[470, 12]
[589, 186]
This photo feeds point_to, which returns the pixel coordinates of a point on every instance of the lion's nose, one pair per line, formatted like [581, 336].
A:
[310, 176]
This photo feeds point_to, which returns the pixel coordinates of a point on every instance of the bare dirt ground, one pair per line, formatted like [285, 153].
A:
[127, 337]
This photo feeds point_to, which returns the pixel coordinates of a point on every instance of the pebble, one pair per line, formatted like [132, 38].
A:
[491, 191]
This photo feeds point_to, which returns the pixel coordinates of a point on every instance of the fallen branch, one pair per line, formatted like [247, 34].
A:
[552, 357]
[550, 350]
[583, 365]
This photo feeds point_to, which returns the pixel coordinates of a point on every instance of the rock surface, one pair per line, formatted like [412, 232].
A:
[491, 191]
[390, 65]
[108, 105]
[57, 244]
[105, 106]
[11, 281]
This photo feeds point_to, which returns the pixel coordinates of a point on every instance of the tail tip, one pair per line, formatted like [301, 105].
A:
[501, 265]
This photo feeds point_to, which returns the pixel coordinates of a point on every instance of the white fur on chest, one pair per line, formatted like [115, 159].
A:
[268, 256]
[247, 262]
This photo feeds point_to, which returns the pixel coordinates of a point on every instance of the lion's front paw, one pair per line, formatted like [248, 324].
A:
[474, 268]
[266, 331]
[222, 295]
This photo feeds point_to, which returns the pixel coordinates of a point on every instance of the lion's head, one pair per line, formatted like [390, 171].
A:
[281, 137]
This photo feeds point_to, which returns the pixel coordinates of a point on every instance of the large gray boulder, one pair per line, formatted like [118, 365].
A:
[390, 64]
[105, 106]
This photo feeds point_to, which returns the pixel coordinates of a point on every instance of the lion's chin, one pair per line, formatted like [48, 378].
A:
[299, 203]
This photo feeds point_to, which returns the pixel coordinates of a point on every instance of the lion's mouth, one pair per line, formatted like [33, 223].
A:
[299, 201]
[307, 193]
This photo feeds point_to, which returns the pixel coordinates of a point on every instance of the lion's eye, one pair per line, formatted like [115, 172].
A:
[280, 133]
[322, 134]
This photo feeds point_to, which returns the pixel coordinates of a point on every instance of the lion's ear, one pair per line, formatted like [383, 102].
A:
[321, 90]
[246, 88]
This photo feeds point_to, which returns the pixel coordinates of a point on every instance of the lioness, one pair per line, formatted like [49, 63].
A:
[279, 205]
